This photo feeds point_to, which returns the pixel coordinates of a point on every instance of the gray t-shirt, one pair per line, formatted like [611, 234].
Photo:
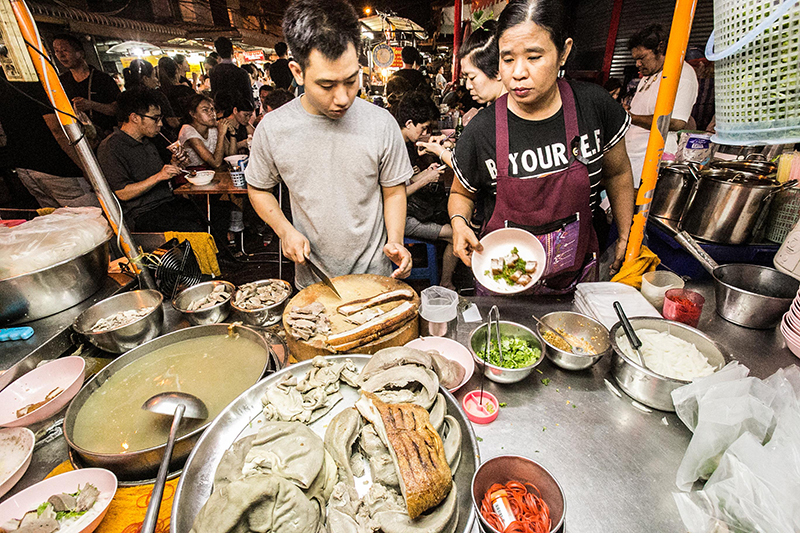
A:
[334, 170]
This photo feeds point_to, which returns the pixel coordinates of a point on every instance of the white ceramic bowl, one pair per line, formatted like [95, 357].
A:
[499, 243]
[30, 498]
[201, 177]
[235, 160]
[66, 373]
[450, 349]
[16, 450]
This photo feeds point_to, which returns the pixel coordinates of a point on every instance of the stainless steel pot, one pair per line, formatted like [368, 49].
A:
[144, 464]
[727, 207]
[753, 163]
[752, 296]
[644, 385]
[674, 186]
[50, 290]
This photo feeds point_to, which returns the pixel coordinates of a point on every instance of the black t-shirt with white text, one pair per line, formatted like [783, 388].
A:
[539, 147]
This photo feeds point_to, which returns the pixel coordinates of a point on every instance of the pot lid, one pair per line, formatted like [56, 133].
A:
[733, 177]
[761, 168]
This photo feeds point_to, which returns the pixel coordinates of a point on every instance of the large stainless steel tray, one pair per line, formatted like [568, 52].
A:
[242, 417]
[143, 464]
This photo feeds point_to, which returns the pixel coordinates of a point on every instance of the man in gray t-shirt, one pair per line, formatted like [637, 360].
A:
[342, 159]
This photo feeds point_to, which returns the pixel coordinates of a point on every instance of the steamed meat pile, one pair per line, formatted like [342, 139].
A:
[512, 269]
[218, 295]
[309, 321]
[284, 479]
[117, 320]
[260, 294]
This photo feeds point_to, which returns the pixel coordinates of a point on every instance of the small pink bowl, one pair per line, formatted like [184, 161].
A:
[470, 404]
[66, 373]
[793, 322]
[790, 335]
[793, 345]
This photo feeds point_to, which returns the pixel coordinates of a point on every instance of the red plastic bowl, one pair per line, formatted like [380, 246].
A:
[471, 406]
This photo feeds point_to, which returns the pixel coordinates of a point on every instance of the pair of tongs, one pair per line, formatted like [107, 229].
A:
[496, 312]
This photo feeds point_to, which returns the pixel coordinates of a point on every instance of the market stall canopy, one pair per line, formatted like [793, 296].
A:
[80, 21]
[379, 23]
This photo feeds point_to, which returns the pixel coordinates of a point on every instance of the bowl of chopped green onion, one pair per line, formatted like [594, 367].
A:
[520, 351]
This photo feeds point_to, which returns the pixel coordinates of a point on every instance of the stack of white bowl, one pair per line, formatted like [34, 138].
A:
[790, 326]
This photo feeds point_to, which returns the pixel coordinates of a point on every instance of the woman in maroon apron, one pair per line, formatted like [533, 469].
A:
[545, 186]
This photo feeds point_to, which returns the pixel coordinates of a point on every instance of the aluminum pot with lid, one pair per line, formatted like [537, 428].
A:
[674, 186]
[754, 164]
[727, 207]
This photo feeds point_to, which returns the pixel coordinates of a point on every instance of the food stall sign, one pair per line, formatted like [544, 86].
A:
[17, 65]
[253, 55]
[398, 57]
[383, 55]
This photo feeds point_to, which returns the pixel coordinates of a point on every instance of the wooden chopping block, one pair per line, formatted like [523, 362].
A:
[351, 287]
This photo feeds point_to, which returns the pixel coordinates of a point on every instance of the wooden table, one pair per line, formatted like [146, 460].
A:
[221, 184]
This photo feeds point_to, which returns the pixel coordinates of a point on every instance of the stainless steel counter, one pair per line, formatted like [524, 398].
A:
[616, 463]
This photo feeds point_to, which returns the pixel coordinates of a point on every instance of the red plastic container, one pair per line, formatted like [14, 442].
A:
[683, 305]
[480, 412]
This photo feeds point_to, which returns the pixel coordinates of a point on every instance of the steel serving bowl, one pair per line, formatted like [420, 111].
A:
[50, 290]
[644, 385]
[498, 374]
[210, 315]
[264, 316]
[129, 336]
[582, 327]
[143, 464]
[505, 468]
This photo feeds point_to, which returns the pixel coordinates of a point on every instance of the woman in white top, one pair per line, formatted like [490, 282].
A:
[204, 137]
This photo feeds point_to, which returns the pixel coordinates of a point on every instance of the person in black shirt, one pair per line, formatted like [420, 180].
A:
[412, 60]
[138, 175]
[92, 92]
[37, 148]
[239, 119]
[279, 70]
[176, 92]
[226, 76]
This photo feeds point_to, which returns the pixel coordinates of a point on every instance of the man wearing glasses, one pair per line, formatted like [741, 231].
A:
[138, 175]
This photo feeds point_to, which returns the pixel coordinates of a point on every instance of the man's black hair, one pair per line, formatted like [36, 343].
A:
[411, 55]
[242, 104]
[223, 102]
[137, 101]
[265, 89]
[654, 37]
[277, 98]
[224, 47]
[281, 48]
[73, 41]
[329, 26]
[417, 107]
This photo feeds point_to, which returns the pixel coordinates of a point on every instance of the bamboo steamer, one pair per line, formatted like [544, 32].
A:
[351, 287]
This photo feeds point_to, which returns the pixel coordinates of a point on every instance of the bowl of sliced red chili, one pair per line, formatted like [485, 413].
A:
[513, 494]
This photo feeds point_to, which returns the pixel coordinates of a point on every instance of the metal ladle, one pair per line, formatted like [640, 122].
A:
[179, 405]
[577, 350]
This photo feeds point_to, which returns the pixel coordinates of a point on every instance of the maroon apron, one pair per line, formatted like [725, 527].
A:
[555, 208]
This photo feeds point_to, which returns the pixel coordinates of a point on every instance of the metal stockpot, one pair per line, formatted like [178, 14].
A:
[727, 207]
[753, 163]
[674, 186]
[752, 296]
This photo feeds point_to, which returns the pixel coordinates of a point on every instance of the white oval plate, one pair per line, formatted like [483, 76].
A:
[450, 349]
[499, 243]
[16, 450]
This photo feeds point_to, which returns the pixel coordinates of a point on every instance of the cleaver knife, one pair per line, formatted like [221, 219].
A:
[323, 277]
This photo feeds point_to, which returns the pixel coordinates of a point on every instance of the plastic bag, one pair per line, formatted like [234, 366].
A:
[756, 487]
[439, 304]
[686, 398]
[46, 240]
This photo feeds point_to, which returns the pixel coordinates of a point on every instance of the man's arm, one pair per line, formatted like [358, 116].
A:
[295, 245]
[394, 216]
[645, 121]
[61, 138]
[135, 190]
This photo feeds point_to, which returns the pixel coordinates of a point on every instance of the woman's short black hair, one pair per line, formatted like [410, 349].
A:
[417, 107]
[654, 37]
[136, 72]
[481, 49]
[167, 70]
[328, 26]
[549, 14]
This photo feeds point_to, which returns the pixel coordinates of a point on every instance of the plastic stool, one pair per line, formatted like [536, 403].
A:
[430, 270]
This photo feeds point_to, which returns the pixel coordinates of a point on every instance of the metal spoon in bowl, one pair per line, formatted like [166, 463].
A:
[577, 350]
[179, 405]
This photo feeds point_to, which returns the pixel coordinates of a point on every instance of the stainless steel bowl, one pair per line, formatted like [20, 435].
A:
[643, 384]
[265, 316]
[143, 464]
[129, 336]
[498, 374]
[505, 468]
[211, 315]
[582, 327]
[50, 290]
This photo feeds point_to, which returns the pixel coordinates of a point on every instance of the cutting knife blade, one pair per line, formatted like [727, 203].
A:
[323, 277]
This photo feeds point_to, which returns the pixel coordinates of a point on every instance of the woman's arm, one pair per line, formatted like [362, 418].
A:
[220, 151]
[618, 182]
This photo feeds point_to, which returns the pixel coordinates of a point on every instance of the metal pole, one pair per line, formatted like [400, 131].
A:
[670, 78]
[456, 39]
[58, 98]
[611, 42]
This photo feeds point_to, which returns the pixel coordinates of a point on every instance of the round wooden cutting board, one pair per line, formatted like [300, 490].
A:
[351, 287]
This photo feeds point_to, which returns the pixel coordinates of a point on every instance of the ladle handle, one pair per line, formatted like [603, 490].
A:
[626, 325]
[151, 516]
